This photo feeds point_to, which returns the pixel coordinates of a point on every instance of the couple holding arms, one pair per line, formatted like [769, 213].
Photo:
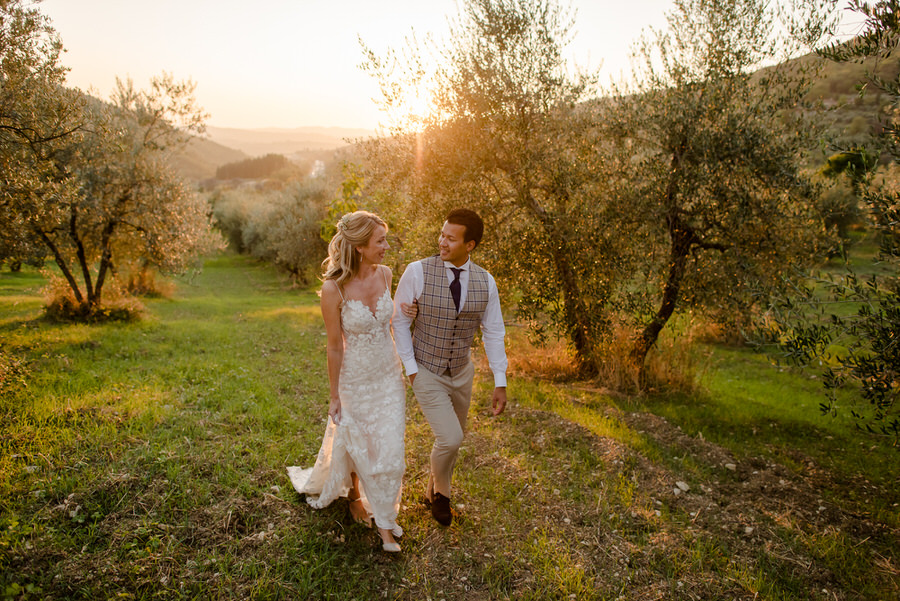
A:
[440, 303]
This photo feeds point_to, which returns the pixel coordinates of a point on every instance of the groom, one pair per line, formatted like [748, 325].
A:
[455, 298]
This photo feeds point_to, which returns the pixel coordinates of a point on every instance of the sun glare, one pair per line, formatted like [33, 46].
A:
[415, 108]
[419, 103]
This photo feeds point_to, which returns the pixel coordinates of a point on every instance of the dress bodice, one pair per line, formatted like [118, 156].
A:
[360, 324]
[369, 351]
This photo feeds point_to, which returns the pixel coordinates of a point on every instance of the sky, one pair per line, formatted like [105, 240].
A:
[293, 63]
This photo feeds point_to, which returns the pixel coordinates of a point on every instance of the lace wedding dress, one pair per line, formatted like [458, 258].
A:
[369, 439]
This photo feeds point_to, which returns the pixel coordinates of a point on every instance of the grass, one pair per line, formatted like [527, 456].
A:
[146, 460]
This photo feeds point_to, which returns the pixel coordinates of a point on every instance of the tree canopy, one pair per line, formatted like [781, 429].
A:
[255, 168]
[39, 123]
[859, 349]
[717, 139]
[90, 183]
[608, 209]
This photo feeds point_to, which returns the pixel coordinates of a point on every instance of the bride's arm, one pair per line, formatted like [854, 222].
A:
[334, 348]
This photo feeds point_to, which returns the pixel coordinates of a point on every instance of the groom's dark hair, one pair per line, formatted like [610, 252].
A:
[472, 222]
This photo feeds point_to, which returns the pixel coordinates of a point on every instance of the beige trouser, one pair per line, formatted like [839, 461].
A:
[445, 403]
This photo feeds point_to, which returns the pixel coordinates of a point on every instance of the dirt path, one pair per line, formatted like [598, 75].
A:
[577, 516]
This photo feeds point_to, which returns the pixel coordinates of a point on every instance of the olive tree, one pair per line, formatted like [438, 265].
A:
[673, 192]
[86, 181]
[509, 135]
[716, 127]
[859, 348]
[125, 202]
[39, 123]
[280, 226]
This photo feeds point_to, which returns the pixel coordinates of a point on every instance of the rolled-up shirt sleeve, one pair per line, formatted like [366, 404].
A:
[409, 288]
[493, 333]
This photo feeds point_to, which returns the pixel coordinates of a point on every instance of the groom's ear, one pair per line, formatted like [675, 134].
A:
[470, 245]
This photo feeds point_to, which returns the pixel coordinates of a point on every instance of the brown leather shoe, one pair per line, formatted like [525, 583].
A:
[440, 509]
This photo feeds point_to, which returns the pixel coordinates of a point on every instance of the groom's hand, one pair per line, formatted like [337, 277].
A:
[412, 379]
[498, 402]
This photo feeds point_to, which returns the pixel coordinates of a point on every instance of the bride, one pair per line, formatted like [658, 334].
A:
[362, 453]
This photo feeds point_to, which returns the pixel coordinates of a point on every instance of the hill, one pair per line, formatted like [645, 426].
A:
[858, 109]
[202, 157]
[303, 145]
[286, 141]
[853, 119]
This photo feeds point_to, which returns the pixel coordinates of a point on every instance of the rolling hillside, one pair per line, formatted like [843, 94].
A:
[854, 116]
[229, 145]
[202, 156]
[259, 142]
[851, 121]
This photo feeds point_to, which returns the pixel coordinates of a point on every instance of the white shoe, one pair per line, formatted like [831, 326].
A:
[390, 547]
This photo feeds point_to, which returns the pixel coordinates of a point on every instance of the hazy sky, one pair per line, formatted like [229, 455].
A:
[291, 63]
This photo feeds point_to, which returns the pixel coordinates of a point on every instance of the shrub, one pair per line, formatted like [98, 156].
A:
[230, 214]
[61, 305]
[278, 226]
[142, 281]
[670, 365]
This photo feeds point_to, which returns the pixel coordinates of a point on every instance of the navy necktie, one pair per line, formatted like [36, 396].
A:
[455, 287]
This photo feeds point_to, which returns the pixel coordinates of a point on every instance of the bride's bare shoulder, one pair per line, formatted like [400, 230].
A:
[388, 274]
[330, 292]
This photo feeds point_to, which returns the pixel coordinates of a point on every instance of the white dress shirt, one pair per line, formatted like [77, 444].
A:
[410, 287]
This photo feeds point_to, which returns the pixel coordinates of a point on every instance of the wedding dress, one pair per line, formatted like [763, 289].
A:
[369, 439]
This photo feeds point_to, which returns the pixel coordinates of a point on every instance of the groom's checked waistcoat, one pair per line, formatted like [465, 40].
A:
[441, 338]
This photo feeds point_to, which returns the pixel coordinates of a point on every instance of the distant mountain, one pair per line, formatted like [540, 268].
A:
[303, 145]
[854, 119]
[202, 157]
[260, 142]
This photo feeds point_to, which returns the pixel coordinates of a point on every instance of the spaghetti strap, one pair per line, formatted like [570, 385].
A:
[384, 271]
[340, 292]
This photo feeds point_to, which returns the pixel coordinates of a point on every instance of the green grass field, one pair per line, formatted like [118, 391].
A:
[145, 460]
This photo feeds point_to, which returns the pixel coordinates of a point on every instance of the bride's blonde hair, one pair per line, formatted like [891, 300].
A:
[353, 230]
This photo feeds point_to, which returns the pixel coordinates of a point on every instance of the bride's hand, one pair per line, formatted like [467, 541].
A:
[334, 410]
[410, 310]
